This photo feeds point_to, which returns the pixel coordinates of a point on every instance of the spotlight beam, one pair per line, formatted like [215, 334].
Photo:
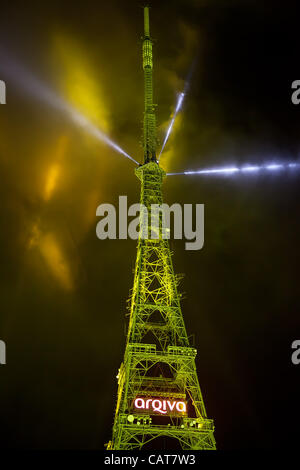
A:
[247, 169]
[180, 98]
[36, 88]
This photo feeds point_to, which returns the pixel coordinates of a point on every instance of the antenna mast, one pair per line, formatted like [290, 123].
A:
[149, 143]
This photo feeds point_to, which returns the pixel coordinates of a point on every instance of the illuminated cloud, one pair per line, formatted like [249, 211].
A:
[78, 81]
[177, 76]
[169, 154]
[54, 170]
[52, 254]
[51, 181]
[170, 127]
[56, 261]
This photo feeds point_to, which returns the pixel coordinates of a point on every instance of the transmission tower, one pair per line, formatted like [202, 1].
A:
[158, 390]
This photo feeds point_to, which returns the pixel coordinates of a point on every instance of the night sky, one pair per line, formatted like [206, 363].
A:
[64, 292]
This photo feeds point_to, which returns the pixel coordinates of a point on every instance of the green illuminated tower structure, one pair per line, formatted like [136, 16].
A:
[159, 395]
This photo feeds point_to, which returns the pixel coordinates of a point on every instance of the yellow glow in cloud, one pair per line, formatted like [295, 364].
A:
[51, 180]
[35, 236]
[55, 260]
[52, 254]
[92, 202]
[80, 85]
[169, 153]
[55, 169]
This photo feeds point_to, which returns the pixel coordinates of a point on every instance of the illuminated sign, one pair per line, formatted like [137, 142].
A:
[160, 406]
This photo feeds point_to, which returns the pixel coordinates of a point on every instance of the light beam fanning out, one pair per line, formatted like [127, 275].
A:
[34, 87]
[243, 169]
[177, 109]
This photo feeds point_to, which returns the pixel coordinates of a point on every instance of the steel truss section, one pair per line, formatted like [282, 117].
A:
[158, 360]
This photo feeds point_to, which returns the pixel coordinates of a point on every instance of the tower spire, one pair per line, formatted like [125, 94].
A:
[146, 23]
[149, 143]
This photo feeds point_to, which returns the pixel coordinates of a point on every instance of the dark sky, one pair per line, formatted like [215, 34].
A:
[64, 292]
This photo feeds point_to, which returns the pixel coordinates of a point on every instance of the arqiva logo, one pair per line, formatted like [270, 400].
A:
[161, 406]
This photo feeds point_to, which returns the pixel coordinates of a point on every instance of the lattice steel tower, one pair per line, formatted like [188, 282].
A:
[159, 393]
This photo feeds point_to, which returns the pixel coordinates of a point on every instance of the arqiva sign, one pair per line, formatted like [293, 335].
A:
[160, 406]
